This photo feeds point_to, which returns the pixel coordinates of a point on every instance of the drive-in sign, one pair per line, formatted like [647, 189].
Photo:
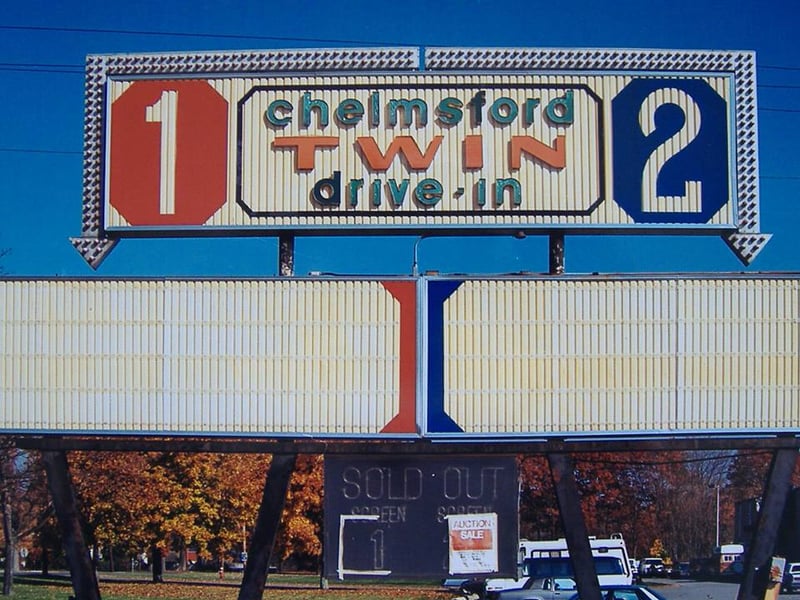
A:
[522, 153]
[573, 141]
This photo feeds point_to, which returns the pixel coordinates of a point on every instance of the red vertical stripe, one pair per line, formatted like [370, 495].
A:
[405, 421]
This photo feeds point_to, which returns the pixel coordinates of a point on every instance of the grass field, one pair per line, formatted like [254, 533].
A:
[208, 586]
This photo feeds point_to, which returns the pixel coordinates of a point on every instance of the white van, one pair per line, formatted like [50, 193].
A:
[550, 558]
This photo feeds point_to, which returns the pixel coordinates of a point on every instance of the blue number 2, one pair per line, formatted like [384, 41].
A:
[670, 144]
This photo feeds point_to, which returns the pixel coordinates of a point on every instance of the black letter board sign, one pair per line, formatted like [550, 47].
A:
[387, 516]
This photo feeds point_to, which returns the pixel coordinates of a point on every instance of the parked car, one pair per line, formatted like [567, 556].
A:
[791, 578]
[652, 567]
[680, 570]
[547, 588]
[626, 592]
[634, 566]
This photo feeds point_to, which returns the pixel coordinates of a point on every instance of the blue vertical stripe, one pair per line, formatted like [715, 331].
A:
[438, 420]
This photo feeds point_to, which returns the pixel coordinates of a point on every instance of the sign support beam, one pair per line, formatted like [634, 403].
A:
[556, 254]
[562, 470]
[267, 523]
[286, 255]
[762, 544]
[84, 578]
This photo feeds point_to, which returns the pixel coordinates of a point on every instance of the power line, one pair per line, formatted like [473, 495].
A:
[41, 65]
[40, 151]
[42, 70]
[674, 461]
[235, 36]
[778, 86]
[781, 110]
[779, 67]
[80, 68]
[240, 36]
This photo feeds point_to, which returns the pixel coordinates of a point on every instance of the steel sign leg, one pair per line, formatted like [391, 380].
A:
[267, 523]
[286, 255]
[762, 544]
[84, 579]
[562, 470]
[556, 252]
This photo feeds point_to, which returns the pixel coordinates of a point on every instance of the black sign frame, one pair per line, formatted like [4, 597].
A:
[386, 516]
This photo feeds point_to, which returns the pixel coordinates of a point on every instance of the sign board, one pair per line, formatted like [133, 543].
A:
[189, 357]
[394, 515]
[444, 358]
[388, 142]
[592, 356]
[472, 543]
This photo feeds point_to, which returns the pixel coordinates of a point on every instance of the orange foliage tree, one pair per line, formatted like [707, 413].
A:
[204, 501]
[300, 535]
[169, 501]
[669, 496]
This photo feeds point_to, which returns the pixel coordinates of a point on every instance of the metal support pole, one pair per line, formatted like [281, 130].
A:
[286, 255]
[84, 578]
[266, 529]
[717, 536]
[562, 470]
[556, 254]
[759, 556]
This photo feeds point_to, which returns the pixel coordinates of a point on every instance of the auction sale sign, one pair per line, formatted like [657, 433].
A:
[385, 141]
[472, 543]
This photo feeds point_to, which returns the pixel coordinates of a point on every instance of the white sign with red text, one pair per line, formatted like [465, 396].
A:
[472, 543]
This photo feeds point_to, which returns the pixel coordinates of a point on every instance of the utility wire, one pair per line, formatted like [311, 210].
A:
[681, 461]
[239, 36]
[40, 151]
[779, 67]
[778, 86]
[80, 68]
[234, 36]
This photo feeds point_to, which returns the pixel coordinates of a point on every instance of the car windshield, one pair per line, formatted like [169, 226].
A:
[625, 593]
[556, 583]
[564, 583]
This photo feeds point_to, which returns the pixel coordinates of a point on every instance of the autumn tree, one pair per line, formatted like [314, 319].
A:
[617, 496]
[24, 503]
[169, 501]
[747, 473]
[618, 493]
[538, 509]
[119, 494]
[669, 496]
[300, 535]
[685, 504]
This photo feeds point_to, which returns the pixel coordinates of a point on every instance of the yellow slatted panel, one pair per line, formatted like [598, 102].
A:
[250, 357]
[601, 356]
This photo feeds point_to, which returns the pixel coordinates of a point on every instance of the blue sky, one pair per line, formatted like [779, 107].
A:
[41, 123]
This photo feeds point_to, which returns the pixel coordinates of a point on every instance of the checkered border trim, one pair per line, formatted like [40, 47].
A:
[740, 63]
[100, 67]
